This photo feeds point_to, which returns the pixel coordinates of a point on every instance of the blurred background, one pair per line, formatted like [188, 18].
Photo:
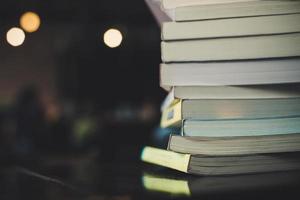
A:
[78, 77]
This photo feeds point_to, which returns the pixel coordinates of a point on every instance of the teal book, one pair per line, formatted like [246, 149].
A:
[229, 109]
[243, 127]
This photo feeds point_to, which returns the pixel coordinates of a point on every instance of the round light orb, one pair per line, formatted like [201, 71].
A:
[30, 22]
[112, 38]
[15, 36]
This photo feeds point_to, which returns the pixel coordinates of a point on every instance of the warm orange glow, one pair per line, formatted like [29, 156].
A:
[30, 22]
[112, 38]
[15, 36]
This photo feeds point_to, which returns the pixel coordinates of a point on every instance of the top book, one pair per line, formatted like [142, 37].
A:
[171, 4]
[193, 10]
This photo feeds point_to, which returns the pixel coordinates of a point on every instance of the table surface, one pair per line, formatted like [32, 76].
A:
[93, 179]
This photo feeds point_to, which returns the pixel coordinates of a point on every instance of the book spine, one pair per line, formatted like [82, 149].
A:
[172, 115]
[165, 158]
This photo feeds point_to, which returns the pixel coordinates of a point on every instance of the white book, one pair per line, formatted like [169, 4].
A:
[251, 72]
[232, 27]
[229, 9]
[171, 4]
[239, 48]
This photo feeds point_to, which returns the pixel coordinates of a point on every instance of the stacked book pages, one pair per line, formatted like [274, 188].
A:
[232, 70]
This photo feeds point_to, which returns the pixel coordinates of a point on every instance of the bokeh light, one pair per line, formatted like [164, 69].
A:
[112, 38]
[15, 36]
[30, 22]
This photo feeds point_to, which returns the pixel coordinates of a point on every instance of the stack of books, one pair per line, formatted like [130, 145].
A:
[232, 69]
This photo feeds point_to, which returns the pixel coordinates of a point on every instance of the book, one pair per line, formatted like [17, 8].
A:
[221, 165]
[240, 48]
[194, 12]
[250, 72]
[271, 91]
[170, 4]
[237, 92]
[169, 100]
[222, 109]
[244, 127]
[236, 145]
[232, 27]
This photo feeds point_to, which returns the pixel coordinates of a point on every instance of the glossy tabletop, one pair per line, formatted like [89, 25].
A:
[95, 179]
